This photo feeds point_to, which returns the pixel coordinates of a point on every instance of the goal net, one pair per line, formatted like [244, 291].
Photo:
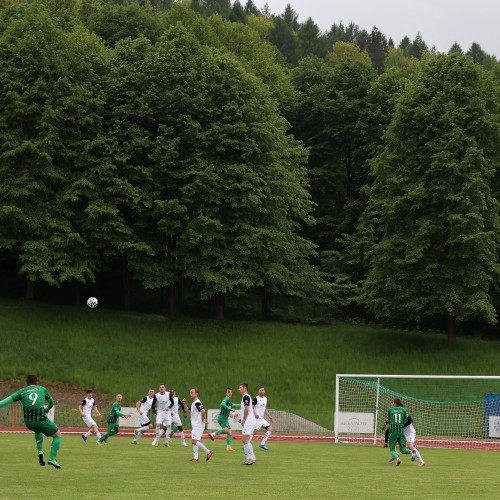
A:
[447, 411]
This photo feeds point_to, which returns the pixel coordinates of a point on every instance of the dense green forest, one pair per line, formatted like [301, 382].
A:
[207, 156]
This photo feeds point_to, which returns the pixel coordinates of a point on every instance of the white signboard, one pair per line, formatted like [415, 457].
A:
[355, 423]
[494, 427]
[234, 416]
[133, 421]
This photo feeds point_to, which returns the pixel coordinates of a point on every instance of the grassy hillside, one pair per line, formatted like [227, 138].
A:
[128, 352]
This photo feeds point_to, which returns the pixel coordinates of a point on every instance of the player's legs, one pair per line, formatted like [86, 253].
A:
[393, 439]
[167, 427]
[47, 428]
[246, 437]
[268, 428]
[402, 445]
[415, 452]
[112, 430]
[196, 434]
[39, 447]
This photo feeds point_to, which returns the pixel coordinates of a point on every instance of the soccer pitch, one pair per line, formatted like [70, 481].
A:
[119, 470]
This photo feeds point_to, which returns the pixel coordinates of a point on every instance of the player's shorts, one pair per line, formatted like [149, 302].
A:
[223, 422]
[47, 427]
[144, 420]
[261, 423]
[197, 431]
[248, 428]
[176, 420]
[89, 421]
[164, 418]
[410, 436]
[396, 437]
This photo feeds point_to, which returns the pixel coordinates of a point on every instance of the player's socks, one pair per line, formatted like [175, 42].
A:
[394, 454]
[56, 443]
[229, 440]
[219, 432]
[98, 434]
[183, 439]
[41, 458]
[266, 437]
[39, 441]
[195, 451]
[202, 447]
[88, 433]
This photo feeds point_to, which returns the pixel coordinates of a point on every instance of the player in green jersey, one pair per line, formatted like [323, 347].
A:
[35, 411]
[112, 420]
[397, 419]
[223, 419]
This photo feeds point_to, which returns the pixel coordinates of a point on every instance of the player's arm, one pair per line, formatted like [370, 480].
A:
[184, 410]
[138, 405]
[97, 410]
[153, 406]
[409, 420]
[7, 401]
[268, 415]
[50, 400]
[224, 405]
[235, 406]
[246, 410]
[186, 406]
[81, 405]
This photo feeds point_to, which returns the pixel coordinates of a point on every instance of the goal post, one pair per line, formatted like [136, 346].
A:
[448, 411]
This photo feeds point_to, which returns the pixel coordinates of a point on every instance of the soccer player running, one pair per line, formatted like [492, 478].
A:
[86, 407]
[260, 406]
[247, 423]
[165, 401]
[113, 422]
[176, 419]
[143, 406]
[410, 435]
[33, 398]
[198, 422]
[397, 418]
[226, 407]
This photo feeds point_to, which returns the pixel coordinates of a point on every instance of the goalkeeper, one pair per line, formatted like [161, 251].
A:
[397, 418]
[226, 407]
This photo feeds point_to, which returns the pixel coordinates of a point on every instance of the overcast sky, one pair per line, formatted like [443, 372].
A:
[440, 22]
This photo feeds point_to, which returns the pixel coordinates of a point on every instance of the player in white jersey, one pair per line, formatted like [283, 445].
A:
[86, 407]
[247, 422]
[410, 435]
[260, 408]
[143, 406]
[164, 400]
[176, 419]
[198, 422]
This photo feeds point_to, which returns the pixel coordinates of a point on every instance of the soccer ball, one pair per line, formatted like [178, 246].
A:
[92, 302]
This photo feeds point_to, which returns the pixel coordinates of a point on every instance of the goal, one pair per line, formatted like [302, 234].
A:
[447, 411]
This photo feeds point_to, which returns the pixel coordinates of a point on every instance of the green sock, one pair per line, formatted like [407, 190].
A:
[220, 431]
[56, 443]
[229, 438]
[39, 442]
[174, 430]
[394, 454]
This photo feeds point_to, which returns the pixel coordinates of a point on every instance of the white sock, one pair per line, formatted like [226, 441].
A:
[167, 433]
[418, 454]
[266, 437]
[195, 451]
[159, 433]
[248, 449]
[88, 433]
[98, 434]
[201, 446]
[183, 439]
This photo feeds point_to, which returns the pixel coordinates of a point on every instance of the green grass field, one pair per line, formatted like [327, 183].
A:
[289, 470]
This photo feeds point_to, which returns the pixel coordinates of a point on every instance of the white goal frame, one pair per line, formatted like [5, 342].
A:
[377, 378]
